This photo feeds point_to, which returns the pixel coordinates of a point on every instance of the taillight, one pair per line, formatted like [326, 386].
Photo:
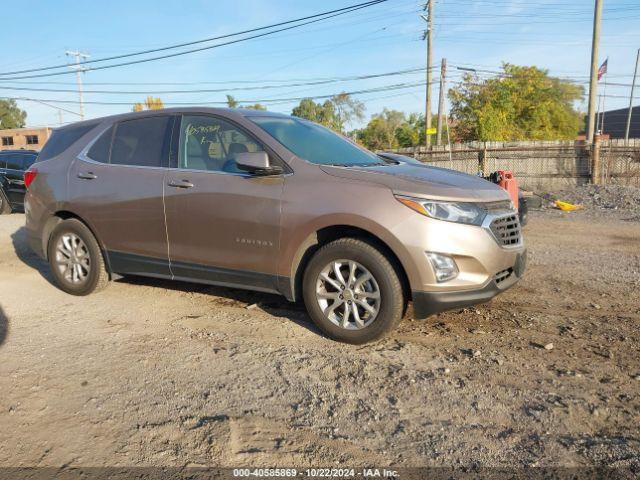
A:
[30, 176]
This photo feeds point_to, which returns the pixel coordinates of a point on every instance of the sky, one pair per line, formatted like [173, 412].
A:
[387, 37]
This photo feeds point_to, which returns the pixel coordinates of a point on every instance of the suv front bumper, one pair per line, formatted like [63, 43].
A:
[430, 303]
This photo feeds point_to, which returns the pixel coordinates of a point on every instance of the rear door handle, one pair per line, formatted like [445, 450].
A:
[180, 184]
[87, 175]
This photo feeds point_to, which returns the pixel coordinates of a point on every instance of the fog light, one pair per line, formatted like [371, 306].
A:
[444, 266]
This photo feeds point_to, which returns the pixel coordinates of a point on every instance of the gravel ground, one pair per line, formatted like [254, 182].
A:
[149, 372]
[603, 197]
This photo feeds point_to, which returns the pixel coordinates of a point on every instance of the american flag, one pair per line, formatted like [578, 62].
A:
[603, 69]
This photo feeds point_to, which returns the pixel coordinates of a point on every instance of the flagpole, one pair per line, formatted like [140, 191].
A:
[601, 72]
[597, 132]
[604, 98]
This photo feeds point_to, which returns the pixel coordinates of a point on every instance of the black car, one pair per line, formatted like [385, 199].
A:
[13, 163]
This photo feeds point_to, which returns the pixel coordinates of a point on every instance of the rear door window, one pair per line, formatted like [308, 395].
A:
[101, 149]
[141, 142]
[62, 139]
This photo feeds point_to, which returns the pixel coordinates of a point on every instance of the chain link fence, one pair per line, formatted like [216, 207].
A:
[620, 164]
[539, 166]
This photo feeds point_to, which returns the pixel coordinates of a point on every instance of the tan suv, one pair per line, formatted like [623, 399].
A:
[268, 202]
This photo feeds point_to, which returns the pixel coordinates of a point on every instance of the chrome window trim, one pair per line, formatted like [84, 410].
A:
[486, 225]
[235, 174]
[83, 153]
[88, 160]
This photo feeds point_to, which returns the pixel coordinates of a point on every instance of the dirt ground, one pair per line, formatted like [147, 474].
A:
[149, 372]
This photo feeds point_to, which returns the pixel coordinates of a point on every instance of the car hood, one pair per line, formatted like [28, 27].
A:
[424, 181]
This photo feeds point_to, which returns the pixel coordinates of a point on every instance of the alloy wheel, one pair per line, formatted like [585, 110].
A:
[73, 259]
[348, 294]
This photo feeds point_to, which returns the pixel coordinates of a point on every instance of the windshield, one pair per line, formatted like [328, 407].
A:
[315, 143]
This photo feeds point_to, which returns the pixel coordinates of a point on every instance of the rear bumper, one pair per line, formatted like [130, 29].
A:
[35, 243]
[430, 303]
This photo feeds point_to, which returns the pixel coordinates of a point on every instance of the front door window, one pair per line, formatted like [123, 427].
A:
[211, 144]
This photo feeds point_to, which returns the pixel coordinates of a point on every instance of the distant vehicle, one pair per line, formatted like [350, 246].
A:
[13, 164]
[268, 202]
[394, 157]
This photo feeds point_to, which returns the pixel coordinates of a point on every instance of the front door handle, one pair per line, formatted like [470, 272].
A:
[87, 175]
[180, 184]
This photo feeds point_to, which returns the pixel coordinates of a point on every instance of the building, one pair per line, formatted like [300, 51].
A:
[27, 138]
[615, 122]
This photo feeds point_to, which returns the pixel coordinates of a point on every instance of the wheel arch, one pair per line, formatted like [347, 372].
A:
[60, 216]
[292, 286]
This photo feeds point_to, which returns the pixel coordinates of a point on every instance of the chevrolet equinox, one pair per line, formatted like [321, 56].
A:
[268, 202]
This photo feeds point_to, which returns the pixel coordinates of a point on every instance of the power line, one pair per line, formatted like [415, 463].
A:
[218, 90]
[316, 18]
[384, 88]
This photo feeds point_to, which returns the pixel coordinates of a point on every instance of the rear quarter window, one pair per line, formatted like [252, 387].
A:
[101, 149]
[62, 139]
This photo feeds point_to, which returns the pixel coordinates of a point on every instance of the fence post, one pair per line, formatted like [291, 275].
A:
[482, 161]
[595, 161]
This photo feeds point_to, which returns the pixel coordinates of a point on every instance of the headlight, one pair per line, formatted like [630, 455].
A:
[459, 212]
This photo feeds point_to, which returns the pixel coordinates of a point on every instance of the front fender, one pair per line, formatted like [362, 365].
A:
[305, 240]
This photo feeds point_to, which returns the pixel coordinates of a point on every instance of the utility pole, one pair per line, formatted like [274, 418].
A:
[443, 73]
[60, 117]
[428, 37]
[593, 83]
[79, 70]
[633, 86]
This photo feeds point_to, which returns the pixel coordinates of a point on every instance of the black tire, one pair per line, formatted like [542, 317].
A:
[5, 206]
[392, 301]
[97, 277]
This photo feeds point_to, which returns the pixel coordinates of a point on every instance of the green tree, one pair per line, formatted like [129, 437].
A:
[347, 109]
[10, 115]
[335, 113]
[524, 103]
[381, 131]
[233, 103]
[411, 133]
[323, 114]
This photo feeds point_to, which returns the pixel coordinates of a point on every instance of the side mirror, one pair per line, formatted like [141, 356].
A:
[257, 163]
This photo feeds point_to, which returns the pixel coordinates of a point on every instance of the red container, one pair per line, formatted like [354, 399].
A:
[510, 184]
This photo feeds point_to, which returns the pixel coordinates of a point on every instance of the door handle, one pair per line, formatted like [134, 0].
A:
[87, 175]
[180, 184]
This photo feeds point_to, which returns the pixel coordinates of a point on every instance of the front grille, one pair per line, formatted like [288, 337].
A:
[503, 275]
[506, 230]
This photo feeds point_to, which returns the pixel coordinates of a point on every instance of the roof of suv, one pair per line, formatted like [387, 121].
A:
[245, 112]
[19, 150]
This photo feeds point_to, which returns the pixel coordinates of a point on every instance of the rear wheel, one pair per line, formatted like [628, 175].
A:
[75, 259]
[352, 291]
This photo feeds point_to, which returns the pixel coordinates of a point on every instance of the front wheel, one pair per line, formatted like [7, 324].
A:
[75, 259]
[352, 291]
